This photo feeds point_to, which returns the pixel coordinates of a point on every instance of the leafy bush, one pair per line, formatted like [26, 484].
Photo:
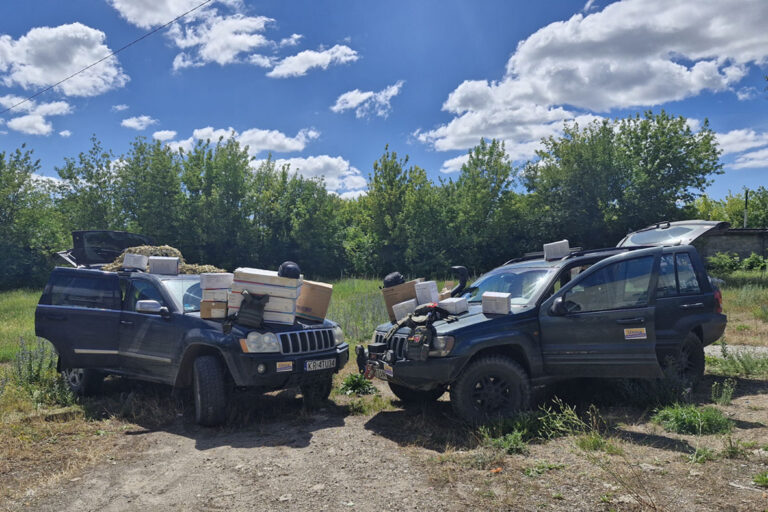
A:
[357, 384]
[702, 455]
[754, 262]
[743, 363]
[33, 372]
[723, 263]
[595, 442]
[761, 479]
[722, 392]
[689, 419]
[512, 442]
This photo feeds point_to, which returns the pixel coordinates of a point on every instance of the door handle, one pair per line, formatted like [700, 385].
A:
[695, 305]
[126, 322]
[57, 318]
[625, 321]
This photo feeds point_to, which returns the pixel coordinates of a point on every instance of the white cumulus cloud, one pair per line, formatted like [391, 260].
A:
[367, 103]
[34, 119]
[45, 55]
[256, 139]
[736, 141]
[163, 135]
[299, 64]
[119, 108]
[138, 122]
[65, 133]
[751, 160]
[151, 13]
[631, 53]
[336, 171]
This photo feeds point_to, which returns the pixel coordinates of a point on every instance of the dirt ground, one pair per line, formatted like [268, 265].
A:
[285, 458]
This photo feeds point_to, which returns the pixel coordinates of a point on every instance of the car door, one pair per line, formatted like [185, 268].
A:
[148, 342]
[605, 325]
[79, 314]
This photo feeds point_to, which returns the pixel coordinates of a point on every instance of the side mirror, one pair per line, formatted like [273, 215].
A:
[558, 307]
[151, 307]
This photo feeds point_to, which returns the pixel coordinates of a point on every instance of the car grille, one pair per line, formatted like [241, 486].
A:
[396, 344]
[312, 340]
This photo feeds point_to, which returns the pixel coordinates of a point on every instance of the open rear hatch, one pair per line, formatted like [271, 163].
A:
[99, 247]
[667, 233]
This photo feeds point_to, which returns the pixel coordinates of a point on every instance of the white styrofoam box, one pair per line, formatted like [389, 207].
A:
[131, 260]
[402, 309]
[216, 295]
[263, 289]
[426, 292]
[275, 304]
[496, 303]
[163, 265]
[279, 318]
[556, 250]
[216, 281]
[454, 305]
[256, 276]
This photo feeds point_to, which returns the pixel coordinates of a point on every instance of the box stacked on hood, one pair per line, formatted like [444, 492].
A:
[282, 292]
[215, 288]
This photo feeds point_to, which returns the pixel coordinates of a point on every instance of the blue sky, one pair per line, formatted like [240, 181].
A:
[325, 86]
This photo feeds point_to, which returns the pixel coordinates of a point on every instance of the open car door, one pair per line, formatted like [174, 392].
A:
[93, 248]
[602, 324]
[682, 232]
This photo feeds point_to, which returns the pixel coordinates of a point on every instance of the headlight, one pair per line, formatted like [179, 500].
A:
[338, 335]
[441, 346]
[258, 342]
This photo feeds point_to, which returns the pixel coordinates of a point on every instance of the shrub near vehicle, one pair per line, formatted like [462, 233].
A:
[624, 312]
[148, 326]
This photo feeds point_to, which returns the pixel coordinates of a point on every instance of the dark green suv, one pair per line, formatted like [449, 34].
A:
[619, 312]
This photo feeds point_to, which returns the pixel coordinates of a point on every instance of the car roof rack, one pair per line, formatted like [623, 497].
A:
[534, 256]
[606, 249]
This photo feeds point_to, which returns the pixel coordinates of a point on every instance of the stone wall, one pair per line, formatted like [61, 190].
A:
[742, 242]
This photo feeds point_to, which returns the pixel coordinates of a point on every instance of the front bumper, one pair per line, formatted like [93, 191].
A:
[424, 375]
[283, 371]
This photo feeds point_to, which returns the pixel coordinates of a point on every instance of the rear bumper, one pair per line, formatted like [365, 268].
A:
[282, 371]
[714, 329]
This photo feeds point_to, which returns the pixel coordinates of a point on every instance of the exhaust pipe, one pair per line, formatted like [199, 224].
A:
[463, 275]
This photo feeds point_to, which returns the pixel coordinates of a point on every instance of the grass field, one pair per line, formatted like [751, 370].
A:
[17, 320]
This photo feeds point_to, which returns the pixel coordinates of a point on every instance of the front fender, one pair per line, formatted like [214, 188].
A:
[520, 344]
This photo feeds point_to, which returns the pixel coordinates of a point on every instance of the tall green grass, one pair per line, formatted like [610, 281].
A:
[17, 320]
[358, 307]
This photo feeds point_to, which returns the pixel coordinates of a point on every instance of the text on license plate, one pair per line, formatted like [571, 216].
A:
[319, 364]
[384, 372]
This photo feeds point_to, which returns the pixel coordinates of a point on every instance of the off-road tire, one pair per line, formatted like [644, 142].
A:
[209, 391]
[83, 381]
[490, 388]
[317, 391]
[416, 396]
[690, 360]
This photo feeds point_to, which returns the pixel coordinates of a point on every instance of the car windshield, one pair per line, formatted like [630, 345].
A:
[524, 284]
[186, 291]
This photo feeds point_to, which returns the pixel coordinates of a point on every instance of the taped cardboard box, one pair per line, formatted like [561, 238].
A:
[216, 281]
[454, 305]
[402, 309]
[213, 310]
[275, 304]
[426, 292]
[164, 265]
[314, 300]
[397, 294]
[216, 295]
[496, 303]
[138, 261]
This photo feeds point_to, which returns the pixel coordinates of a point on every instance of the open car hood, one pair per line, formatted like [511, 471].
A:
[99, 247]
[682, 232]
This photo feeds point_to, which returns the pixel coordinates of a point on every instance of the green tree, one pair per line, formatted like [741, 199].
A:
[731, 208]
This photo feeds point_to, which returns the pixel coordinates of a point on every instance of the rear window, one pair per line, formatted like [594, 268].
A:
[677, 276]
[659, 236]
[686, 276]
[85, 291]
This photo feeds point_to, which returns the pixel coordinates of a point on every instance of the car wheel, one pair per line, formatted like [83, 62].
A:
[416, 396]
[82, 381]
[317, 391]
[690, 360]
[490, 388]
[209, 391]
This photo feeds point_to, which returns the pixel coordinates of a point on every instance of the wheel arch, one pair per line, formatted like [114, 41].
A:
[512, 351]
[184, 374]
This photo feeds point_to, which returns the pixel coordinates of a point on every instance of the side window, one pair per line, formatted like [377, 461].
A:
[686, 276]
[142, 290]
[623, 284]
[85, 291]
[667, 286]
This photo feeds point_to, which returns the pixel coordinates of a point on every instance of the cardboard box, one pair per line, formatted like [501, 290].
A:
[257, 276]
[279, 318]
[275, 304]
[216, 281]
[212, 310]
[216, 295]
[445, 293]
[402, 309]
[496, 303]
[138, 261]
[400, 293]
[163, 265]
[426, 292]
[454, 305]
[314, 300]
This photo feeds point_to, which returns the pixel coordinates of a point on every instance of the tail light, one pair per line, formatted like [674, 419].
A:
[719, 300]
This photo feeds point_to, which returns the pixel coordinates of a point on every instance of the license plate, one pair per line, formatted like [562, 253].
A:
[384, 372]
[320, 364]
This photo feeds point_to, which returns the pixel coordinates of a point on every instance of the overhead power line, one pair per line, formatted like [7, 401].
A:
[89, 66]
